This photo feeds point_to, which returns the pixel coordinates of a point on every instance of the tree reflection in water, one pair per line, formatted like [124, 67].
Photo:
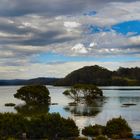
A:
[86, 108]
[32, 109]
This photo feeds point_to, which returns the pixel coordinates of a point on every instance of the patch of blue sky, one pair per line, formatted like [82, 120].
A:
[128, 27]
[123, 59]
[91, 13]
[58, 58]
[51, 57]
[96, 29]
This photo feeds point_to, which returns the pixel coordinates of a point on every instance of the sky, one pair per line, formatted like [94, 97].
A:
[51, 38]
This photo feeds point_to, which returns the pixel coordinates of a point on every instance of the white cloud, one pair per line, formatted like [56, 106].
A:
[135, 40]
[27, 36]
[56, 69]
[111, 13]
[93, 44]
[79, 48]
[71, 24]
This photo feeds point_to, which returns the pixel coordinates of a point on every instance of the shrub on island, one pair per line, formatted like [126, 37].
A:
[83, 91]
[10, 104]
[33, 94]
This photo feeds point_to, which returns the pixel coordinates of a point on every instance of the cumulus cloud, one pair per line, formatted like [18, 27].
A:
[79, 48]
[135, 40]
[69, 24]
[49, 7]
[31, 28]
[93, 44]
[56, 69]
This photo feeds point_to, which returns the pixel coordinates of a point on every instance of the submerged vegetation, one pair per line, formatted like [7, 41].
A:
[33, 121]
[37, 100]
[37, 94]
[9, 104]
[83, 91]
[85, 97]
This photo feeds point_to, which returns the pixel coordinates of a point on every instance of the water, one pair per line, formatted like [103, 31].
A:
[99, 112]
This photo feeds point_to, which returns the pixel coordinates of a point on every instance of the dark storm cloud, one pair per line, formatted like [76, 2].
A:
[46, 38]
[49, 7]
[13, 28]
[37, 39]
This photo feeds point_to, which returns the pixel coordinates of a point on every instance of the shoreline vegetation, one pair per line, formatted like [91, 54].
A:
[48, 126]
[54, 127]
[96, 75]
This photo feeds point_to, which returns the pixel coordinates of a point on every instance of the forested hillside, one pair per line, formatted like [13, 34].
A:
[102, 77]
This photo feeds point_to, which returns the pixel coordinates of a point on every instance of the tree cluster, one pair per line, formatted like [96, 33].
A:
[31, 94]
[115, 128]
[50, 126]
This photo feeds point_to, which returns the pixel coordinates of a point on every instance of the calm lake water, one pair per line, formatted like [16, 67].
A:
[84, 114]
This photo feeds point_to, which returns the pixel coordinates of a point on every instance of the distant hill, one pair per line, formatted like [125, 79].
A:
[87, 75]
[41, 80]
[102, 77]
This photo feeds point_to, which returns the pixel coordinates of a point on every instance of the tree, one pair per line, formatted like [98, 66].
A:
[84, 91]
[33, 94]
[118, 127]
[94, 130]
[50, 126]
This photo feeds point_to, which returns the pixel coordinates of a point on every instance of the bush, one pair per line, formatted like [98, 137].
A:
[10, 138]
[33, 94]
[94, 130]
[48, 126]
[12, 125]
[80, 138]
[101, 137]
[88, 131]
[118, 127]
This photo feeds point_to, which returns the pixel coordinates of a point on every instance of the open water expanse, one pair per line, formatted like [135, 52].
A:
[98, 112]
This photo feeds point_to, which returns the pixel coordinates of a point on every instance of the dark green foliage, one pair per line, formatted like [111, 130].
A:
[102, 77]
[101, 137]
[87, 75]
[12, 125]
[33, 94]
[88, 131]
[87, 92]
[81, 138]
[51, 126]
[94, 130]
[118, 127]
[131, 73]
[48, 126]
